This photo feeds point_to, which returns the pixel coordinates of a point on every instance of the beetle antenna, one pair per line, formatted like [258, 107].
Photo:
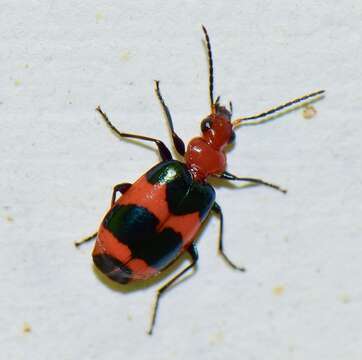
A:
[278, 108]
[211, 70]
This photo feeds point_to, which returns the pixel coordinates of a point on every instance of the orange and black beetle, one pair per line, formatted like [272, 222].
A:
[156, 218]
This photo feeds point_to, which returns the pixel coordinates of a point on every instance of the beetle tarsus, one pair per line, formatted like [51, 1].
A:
[88, 238]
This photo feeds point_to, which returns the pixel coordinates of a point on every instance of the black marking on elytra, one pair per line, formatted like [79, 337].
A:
[159, 249]
[136, 227]
[168, 171]
[113, 268]
[130, 222]
[184, 196]
[200, 197]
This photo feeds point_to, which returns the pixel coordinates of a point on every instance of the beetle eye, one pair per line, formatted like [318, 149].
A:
[206, 124]
[232, 137]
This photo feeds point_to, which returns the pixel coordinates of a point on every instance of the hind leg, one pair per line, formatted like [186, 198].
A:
[194, 256]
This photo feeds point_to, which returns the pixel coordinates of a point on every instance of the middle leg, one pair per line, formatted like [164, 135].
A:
[122, 188]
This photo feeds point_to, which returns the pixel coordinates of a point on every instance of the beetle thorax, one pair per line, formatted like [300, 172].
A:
[205, 154]
[203, 160]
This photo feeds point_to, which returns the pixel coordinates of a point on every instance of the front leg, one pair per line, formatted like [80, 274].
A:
[226, 175]
[162, 148]
[177, 141]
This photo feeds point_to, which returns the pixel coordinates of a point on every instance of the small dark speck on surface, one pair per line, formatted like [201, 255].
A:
[9, 218]
[278, 290]
[26, 328]
[309, 112]
[344, 298]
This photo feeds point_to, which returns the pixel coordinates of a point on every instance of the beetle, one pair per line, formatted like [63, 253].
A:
[156, 219]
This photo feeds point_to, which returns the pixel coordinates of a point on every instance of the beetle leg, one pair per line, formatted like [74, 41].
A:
[177, 141]
[226, 175]
[217, 209]
[194, 255]
[162, 148]
[122, 188]
[89, 238]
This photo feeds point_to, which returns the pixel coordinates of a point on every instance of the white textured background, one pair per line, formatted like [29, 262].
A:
[302, 295]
